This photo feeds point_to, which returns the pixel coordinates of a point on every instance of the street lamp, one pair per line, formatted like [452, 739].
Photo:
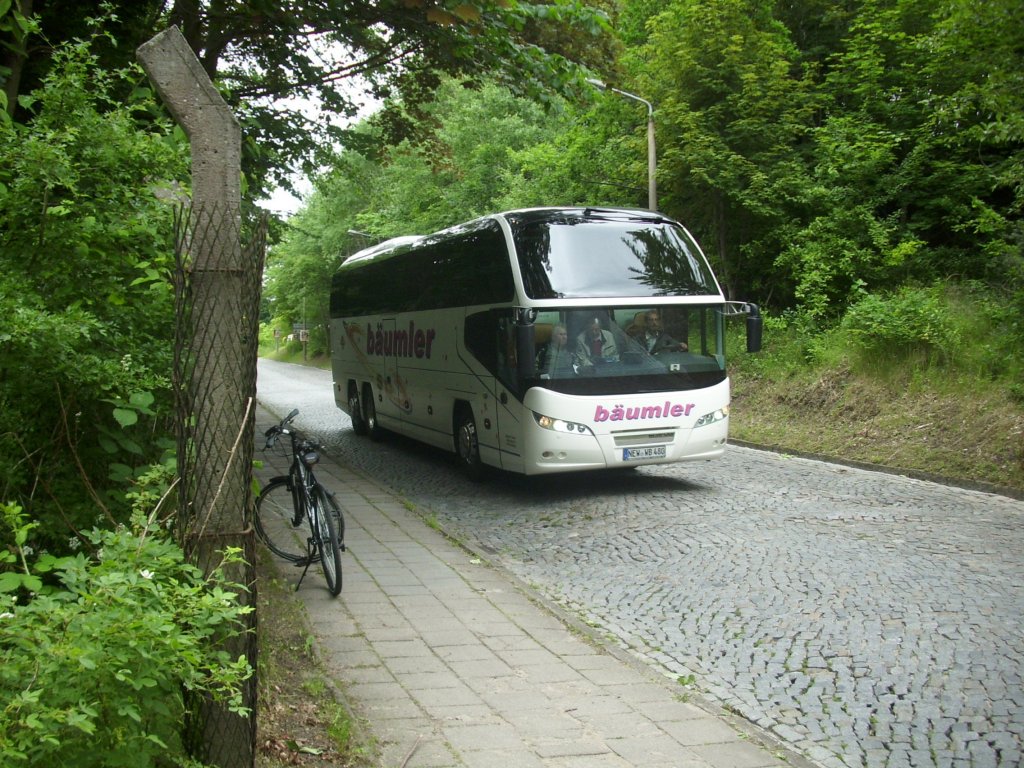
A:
[364, 239]
[652, 188]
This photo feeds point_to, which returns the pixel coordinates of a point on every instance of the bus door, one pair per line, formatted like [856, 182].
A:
[489, 341]
[509, 404]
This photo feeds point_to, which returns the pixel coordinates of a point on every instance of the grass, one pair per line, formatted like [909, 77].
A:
[293, 353]
[944, 429]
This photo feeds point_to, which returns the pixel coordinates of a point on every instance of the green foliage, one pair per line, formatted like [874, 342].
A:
[817, 151]
[464, 172]
[96, 651]
[952, 329]
[265, 57]
[834, 255]
[732, 108]
[86, 253]
[988, 325]
[911, 320]
[910, 163]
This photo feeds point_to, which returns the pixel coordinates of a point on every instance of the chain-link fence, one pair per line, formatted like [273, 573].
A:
[217, 291]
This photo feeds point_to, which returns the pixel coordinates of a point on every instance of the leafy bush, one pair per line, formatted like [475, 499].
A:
[96, 655]
[792, 343]
[86, 256]
[907, 321]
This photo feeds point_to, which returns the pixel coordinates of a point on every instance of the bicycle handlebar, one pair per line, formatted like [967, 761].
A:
[300, 442]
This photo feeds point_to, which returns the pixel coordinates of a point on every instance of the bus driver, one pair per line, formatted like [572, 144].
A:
[652, 338]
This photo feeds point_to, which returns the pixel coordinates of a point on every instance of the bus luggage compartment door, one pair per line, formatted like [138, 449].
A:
[393, 400]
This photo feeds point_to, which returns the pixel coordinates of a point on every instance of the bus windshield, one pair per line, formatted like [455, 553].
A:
[604, 349]
[600, 255]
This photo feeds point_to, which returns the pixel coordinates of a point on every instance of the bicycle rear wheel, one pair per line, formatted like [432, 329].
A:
[276, 508]
[326, 516]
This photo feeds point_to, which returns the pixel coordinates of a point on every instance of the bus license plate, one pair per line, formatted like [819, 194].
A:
[639, 454]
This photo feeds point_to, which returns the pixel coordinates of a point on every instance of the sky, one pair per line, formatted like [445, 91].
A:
[284, 203]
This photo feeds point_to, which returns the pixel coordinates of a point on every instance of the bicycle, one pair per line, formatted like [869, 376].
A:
[290, 499]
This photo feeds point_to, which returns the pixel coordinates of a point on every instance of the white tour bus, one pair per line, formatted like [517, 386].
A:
[530, 340]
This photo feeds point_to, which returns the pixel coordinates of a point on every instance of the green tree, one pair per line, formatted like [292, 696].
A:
[732, 108]
[914, 159]
[975, 77]
[816, 149]
[264, 55]
[464, 171]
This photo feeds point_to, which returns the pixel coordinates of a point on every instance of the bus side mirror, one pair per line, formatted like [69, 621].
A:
[754, 326]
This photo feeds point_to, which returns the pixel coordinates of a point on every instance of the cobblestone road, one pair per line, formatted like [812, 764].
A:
[865, 619]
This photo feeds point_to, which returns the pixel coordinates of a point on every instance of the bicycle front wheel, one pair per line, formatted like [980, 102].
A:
[276, 509]
[326, 517]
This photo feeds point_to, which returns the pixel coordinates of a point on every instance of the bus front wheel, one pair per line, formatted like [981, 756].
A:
[467, 445]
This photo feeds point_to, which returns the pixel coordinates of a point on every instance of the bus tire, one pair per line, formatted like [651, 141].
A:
[373, 428]
[355, 410]
[467, 444]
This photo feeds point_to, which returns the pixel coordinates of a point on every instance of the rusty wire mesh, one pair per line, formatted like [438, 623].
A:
[217, 291]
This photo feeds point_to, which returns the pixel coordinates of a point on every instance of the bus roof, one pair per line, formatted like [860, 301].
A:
[382, 248]
[396, 244]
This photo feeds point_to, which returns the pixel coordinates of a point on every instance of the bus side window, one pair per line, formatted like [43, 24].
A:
[481, 329]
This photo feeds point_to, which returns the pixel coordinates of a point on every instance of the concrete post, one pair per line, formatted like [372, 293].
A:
[219, 377]
[203, 114]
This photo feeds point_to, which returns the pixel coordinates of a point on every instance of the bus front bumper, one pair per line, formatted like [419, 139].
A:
[563, 452]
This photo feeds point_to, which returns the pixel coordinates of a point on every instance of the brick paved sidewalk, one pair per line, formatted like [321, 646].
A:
[452, 662]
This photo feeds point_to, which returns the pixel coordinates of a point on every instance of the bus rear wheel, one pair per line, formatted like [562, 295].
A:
[467, 445]
[373, 429]
[355, 410]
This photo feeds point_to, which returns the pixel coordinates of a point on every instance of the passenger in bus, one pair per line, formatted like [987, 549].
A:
[648, 333]
[595, 345]
[553, 357]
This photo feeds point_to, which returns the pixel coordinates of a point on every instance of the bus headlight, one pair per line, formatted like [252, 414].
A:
[559, 425]
[711, 418]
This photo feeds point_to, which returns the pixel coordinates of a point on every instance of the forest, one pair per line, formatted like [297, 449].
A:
[854, 167]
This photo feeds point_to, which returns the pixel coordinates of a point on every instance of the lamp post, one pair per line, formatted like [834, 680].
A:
[652, 187]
